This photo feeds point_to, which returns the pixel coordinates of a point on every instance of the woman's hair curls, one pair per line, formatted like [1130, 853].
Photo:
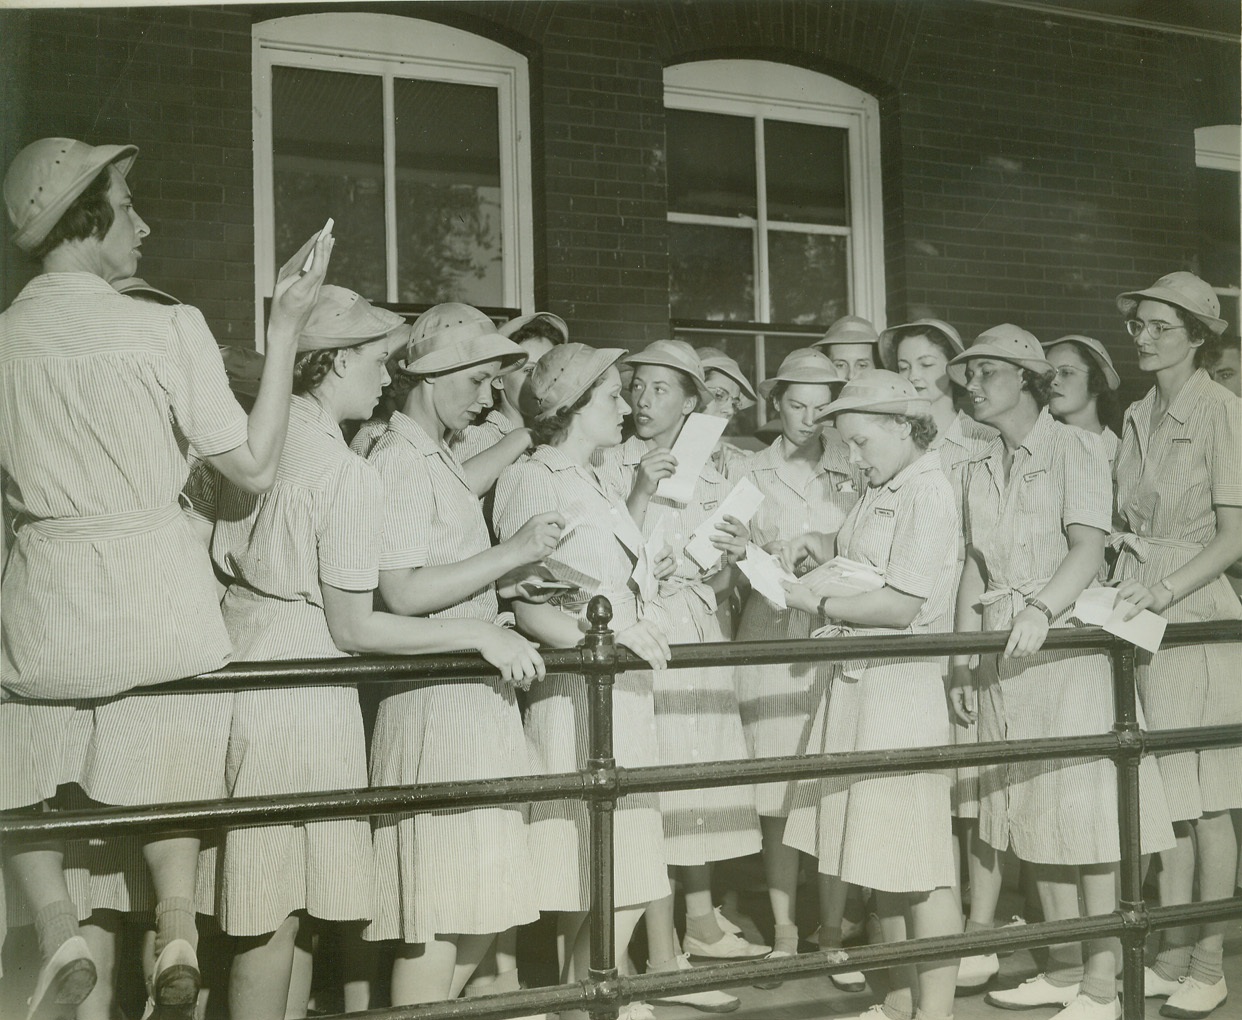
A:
[89, 215]
[922, 428]
[1039, 385]
[551, 430]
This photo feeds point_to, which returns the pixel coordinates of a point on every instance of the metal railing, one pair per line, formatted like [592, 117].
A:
[602, 782]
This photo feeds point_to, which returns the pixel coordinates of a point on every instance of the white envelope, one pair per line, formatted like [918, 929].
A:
[1100, 607]
[843, 576]
[742, 502]
[766, 575]
[694, 446]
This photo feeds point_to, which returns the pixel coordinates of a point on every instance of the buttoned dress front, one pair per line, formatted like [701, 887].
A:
[1169, 480]
[1058, 811]
[444, 872]
[319, 524]
[605, 546]
[890, 832]
[696, 710]
[779, 701]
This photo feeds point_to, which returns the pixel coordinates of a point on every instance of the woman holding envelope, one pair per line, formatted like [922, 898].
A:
[447, 882]
[890, 834]
[1179, 503]
[1037, 505]
[574, 407]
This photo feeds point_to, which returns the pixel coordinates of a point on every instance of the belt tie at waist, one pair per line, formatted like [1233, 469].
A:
[102, 526]
[1142, 546]
[1010, 601]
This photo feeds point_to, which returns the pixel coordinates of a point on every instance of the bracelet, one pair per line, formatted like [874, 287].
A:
[1035, 603]
[1162, 583]
[823, 613]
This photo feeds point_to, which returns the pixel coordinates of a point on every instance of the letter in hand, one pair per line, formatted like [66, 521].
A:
[537, 538]
[298, 283]
[799, 596]
[655, 466]
[730, 538]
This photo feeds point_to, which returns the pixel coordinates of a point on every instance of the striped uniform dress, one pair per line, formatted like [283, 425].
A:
[1169, 478]
[890, 832]
[319, 524]
[474, 439]
[731, 460]
[106, 587]
[607, 547]
[696, 710]
[1112, 444]
[444, 872]
[960, 443]
[778, 701]
[1057, 811]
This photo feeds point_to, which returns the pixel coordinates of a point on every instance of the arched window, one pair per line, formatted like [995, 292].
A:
[774, 205]
[415, 137]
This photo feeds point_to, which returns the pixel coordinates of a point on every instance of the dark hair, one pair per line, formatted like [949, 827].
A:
[1106, 408]
[398, 389]
[1039, 385]
[311, 368]
[539, 328]
[89, 215]
[922, 428]
[684, 379]
[961, 399]
[778, 391]
[548, 431]
[1210, 348]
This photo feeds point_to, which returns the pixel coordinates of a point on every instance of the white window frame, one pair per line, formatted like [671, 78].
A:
[764, 89]
[390, 47]
[1219, 147]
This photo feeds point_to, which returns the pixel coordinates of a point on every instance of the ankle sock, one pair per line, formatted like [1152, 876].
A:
[507, 981]
[895, 1008]
[922, 1014]
[1172, 962]
[1064, 966]
[786, 939]
[1099, 989]
[174, 919]
[830, 937]
[977, 926]
[55, 925]
[1207, 965]
[704, 927]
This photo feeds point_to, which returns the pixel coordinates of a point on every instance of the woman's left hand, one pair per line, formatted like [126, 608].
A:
[1140, 597]
[731, 537]
[799, 596]
[1026, 637]
[665, 564]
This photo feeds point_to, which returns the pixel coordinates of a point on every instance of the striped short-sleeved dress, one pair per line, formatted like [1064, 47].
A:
[1169, 480]
[890, 832]
[319, 524]
[1056, 811]
[475, 439]
[444, 872]
[778, 702]
[696, 710]
[605, 547]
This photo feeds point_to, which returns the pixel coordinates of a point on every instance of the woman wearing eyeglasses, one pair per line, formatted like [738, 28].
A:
[1084, 387]
[728, 391]
[1179, 501]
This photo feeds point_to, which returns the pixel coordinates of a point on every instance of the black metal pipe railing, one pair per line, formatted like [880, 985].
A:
[601, 783]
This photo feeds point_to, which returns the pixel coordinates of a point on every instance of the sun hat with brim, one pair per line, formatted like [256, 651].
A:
[452, 336]
[714, 360]
[134, 287]
[1098, 353]
[849, 329]
[891, 338]
[806, 365]
[555, 321]
[675, 354]
[1005, 342]
[46, 176]
[563, 375]
[878, 391]
[343, 318]
[1186, 291]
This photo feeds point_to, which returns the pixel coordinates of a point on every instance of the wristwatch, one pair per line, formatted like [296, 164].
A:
[1035, 603]
[823, 612]
[1162, 583]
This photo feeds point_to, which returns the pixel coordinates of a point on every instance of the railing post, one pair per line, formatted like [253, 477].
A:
[1129, 756]
[600, 668]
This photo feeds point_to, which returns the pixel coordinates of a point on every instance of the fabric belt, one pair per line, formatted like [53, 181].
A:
[103, 526]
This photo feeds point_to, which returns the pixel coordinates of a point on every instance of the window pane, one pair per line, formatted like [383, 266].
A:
[806, 173]
[711, 163]
[328, 160]
[810, 277]
[741, 348]
[711, 273]
[1218, 226]
[448, 192]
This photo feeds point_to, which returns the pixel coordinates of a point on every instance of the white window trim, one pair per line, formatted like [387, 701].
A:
[1219, 147]
[390, 46]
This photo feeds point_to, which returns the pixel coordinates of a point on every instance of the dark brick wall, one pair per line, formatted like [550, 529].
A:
[1034, 164]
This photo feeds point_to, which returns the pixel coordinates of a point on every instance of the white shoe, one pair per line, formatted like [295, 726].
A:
[876, 1012]
[636, 1011]
[1156, 987]
[175, 982]
[1083, 1007]
[725, 925]
[64, 982]
[730, 947]
[976, 971]
[1033, 992]
[1195, 1000]
[849, 980]
[776, 954]
[706, 1002]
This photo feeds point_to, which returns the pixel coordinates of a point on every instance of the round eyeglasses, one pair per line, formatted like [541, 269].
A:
[1157, 329]
[726, 399]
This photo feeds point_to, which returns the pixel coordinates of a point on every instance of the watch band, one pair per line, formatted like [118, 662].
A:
[1035, 603]
[823, 614]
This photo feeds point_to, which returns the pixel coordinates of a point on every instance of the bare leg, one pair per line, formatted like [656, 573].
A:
[1176, 884]
[569, 923]
[101, 940]
[935, 913]
[173, 862]
[902, 981]
[1057, 885]
[984, 865]
[780, 865]
[260, 975]
[625, 920]
[661, 938]
[437, 970]
[301, 971]
[358, 963]
[1099, 893]
[1216, 871]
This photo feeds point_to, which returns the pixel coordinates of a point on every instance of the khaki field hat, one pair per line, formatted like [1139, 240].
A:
[342, 318]
[675, 354]
[1005, 342]
[136, 288]
[563, 375]
[1097, 351]
[878, 391]
[714, 360]
[453, 336]
[1187, 292]
[849, 329]
[555, 321]
[806, 365]
[45, 178]
[891, 336]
